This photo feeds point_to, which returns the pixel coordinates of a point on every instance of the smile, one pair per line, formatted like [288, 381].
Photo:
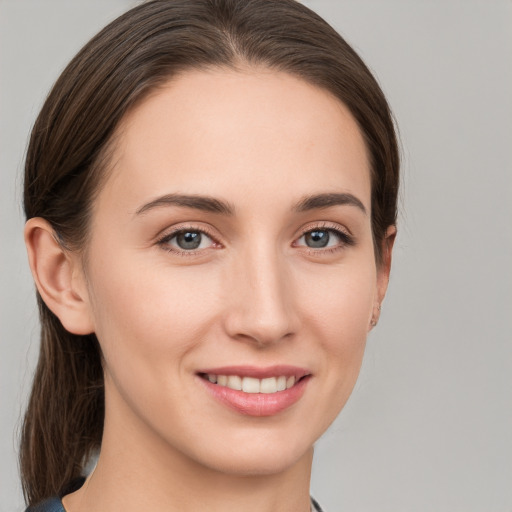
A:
[256, 391]
[252, 384]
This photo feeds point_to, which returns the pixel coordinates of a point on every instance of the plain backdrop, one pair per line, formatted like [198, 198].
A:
[429, 425]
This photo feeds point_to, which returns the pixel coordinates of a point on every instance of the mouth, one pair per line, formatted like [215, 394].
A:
[267, 385]
[254, 391]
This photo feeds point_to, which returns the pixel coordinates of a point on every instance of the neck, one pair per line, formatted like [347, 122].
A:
[143, 472]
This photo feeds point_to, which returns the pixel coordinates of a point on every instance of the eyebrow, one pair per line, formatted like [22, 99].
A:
[212, 205]
[204, 203]
[320, 201]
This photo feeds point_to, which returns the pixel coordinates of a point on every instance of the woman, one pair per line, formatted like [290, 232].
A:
[210, 194]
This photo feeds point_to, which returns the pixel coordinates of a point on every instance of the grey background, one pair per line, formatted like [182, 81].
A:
[429, 426]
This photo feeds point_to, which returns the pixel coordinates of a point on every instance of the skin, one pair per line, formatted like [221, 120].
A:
[254, 293]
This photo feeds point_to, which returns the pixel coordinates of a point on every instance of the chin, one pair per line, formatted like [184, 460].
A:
[256, 454]
[259, 464]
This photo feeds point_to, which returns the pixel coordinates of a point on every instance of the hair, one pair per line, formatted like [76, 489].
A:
[67, 158]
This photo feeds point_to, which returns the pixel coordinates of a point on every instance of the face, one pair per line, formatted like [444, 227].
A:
[231, 247]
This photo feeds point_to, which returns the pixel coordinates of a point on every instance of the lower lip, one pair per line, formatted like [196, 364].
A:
[257, 404]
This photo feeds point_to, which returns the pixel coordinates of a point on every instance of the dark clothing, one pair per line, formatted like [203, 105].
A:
[315, 507]
[51, 505]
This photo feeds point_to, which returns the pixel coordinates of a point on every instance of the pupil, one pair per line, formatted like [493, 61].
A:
[189, 240]
[317, 238]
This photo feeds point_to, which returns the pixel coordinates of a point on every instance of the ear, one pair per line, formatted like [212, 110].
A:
[383, 270]
[58, 276]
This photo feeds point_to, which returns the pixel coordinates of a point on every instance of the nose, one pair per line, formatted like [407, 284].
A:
[261, 308]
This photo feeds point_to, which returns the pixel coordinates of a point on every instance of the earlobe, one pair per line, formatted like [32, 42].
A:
[58, 277]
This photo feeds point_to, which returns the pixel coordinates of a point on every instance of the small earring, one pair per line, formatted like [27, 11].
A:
[373, 322]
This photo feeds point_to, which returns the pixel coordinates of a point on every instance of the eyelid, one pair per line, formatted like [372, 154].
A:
[164, 237]
[347, 239]
[326, 225]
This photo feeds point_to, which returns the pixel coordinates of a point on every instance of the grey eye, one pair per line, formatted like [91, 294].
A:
[317, 239]
[324, 238]
[189, 240]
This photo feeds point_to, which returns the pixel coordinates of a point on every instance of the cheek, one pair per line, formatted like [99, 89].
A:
[354, 300]
[145, 312]
[149, 320]
[339, 311]
[339, 301]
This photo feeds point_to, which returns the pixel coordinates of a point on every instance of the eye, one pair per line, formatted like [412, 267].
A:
[317, 239]
[322, 238]
[186, 240]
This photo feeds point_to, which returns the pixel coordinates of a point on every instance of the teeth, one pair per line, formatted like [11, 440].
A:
[268, 385]
[235, 382]
[251, 384]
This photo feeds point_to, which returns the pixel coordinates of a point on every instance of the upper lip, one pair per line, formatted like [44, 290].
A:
[258, 372]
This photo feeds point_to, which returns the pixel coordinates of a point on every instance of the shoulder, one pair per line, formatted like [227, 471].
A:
[49, 505]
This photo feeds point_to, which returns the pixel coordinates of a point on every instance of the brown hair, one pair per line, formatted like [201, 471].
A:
[68, 154]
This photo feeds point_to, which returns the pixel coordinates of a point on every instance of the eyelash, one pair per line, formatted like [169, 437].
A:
[163, 241]
[345, 240]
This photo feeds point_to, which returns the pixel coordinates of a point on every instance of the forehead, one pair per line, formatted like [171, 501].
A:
[220, 132]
